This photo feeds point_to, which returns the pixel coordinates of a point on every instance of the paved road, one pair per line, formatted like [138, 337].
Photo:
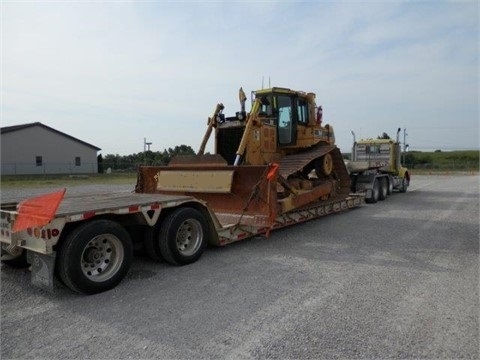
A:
[398, 279]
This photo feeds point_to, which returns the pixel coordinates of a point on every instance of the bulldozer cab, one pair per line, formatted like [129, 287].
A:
[284, 122]
[287, 110]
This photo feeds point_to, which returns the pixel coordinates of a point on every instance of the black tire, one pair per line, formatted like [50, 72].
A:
[182, 236]
[15, 260]
[390, 186]
[383, 189]
[403, 187]
[375, 193]
[151, 244]
[94, 257]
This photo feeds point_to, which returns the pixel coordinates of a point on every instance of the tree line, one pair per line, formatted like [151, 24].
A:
[132, 161]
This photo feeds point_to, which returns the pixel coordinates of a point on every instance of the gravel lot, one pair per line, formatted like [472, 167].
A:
[398, 279]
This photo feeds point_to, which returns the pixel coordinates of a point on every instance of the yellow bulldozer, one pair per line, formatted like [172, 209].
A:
[277, 158]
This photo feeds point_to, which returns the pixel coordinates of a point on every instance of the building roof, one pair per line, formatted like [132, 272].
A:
[8, 129]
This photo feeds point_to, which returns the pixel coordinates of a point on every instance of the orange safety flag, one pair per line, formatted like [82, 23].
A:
[37, 211]
[272, 172]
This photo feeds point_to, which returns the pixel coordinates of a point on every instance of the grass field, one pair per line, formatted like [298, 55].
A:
[467, 160]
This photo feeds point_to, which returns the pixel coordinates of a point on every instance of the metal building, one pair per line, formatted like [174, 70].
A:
[35, 148]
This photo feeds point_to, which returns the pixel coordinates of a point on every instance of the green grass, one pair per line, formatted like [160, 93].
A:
[443, 160]
[25, 181]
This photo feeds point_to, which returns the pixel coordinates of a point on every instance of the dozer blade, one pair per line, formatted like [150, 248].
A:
[198, 160]
[237, 194]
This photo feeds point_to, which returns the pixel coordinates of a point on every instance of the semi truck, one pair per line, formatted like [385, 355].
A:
[273, 167]
[375, 168]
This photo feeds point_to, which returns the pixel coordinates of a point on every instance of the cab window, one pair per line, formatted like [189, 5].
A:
[302, 110]
[267, 106]
[285, 121]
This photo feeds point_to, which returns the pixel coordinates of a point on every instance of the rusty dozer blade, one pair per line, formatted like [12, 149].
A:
[237, 194]
[198, 160]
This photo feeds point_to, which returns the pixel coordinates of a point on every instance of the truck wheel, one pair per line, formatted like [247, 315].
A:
[403, 187]
[383, 189]
[390, 186]
[182, 235]
[95, 256]
[375, 193]
[16, 257]
[324, 165]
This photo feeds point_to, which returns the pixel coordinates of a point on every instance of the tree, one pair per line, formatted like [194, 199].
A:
[384, 136]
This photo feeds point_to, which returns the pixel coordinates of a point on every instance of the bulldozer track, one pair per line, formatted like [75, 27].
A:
[291, 164]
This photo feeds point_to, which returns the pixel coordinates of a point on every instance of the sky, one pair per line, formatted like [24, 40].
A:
[113, 73]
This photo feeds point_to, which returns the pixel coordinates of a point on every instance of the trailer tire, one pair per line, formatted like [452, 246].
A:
[18, 260]
[375, 193]
[95, 256]
[182, 236]
[152, 247]
[383, 189]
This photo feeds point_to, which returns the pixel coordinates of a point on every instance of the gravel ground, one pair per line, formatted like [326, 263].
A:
[398, 279]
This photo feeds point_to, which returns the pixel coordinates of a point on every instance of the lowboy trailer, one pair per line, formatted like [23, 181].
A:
[88, 244]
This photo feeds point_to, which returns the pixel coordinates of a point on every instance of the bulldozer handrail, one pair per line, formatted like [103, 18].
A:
[248, 128]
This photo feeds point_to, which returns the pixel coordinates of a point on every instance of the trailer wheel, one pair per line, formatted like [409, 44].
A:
[324, 165]
[15, 258]
[95, 257]
[182, 235]
[383, 189]
[375, 193]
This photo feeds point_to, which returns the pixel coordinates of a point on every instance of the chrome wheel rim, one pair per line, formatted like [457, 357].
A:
[102, 257]
[189, 237]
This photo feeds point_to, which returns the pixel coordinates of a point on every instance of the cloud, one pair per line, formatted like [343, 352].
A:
[114, 73]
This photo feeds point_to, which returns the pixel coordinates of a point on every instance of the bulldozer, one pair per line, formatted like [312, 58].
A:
[275, 159]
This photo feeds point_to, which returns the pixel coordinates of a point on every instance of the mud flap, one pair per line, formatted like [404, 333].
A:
[42, 270]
